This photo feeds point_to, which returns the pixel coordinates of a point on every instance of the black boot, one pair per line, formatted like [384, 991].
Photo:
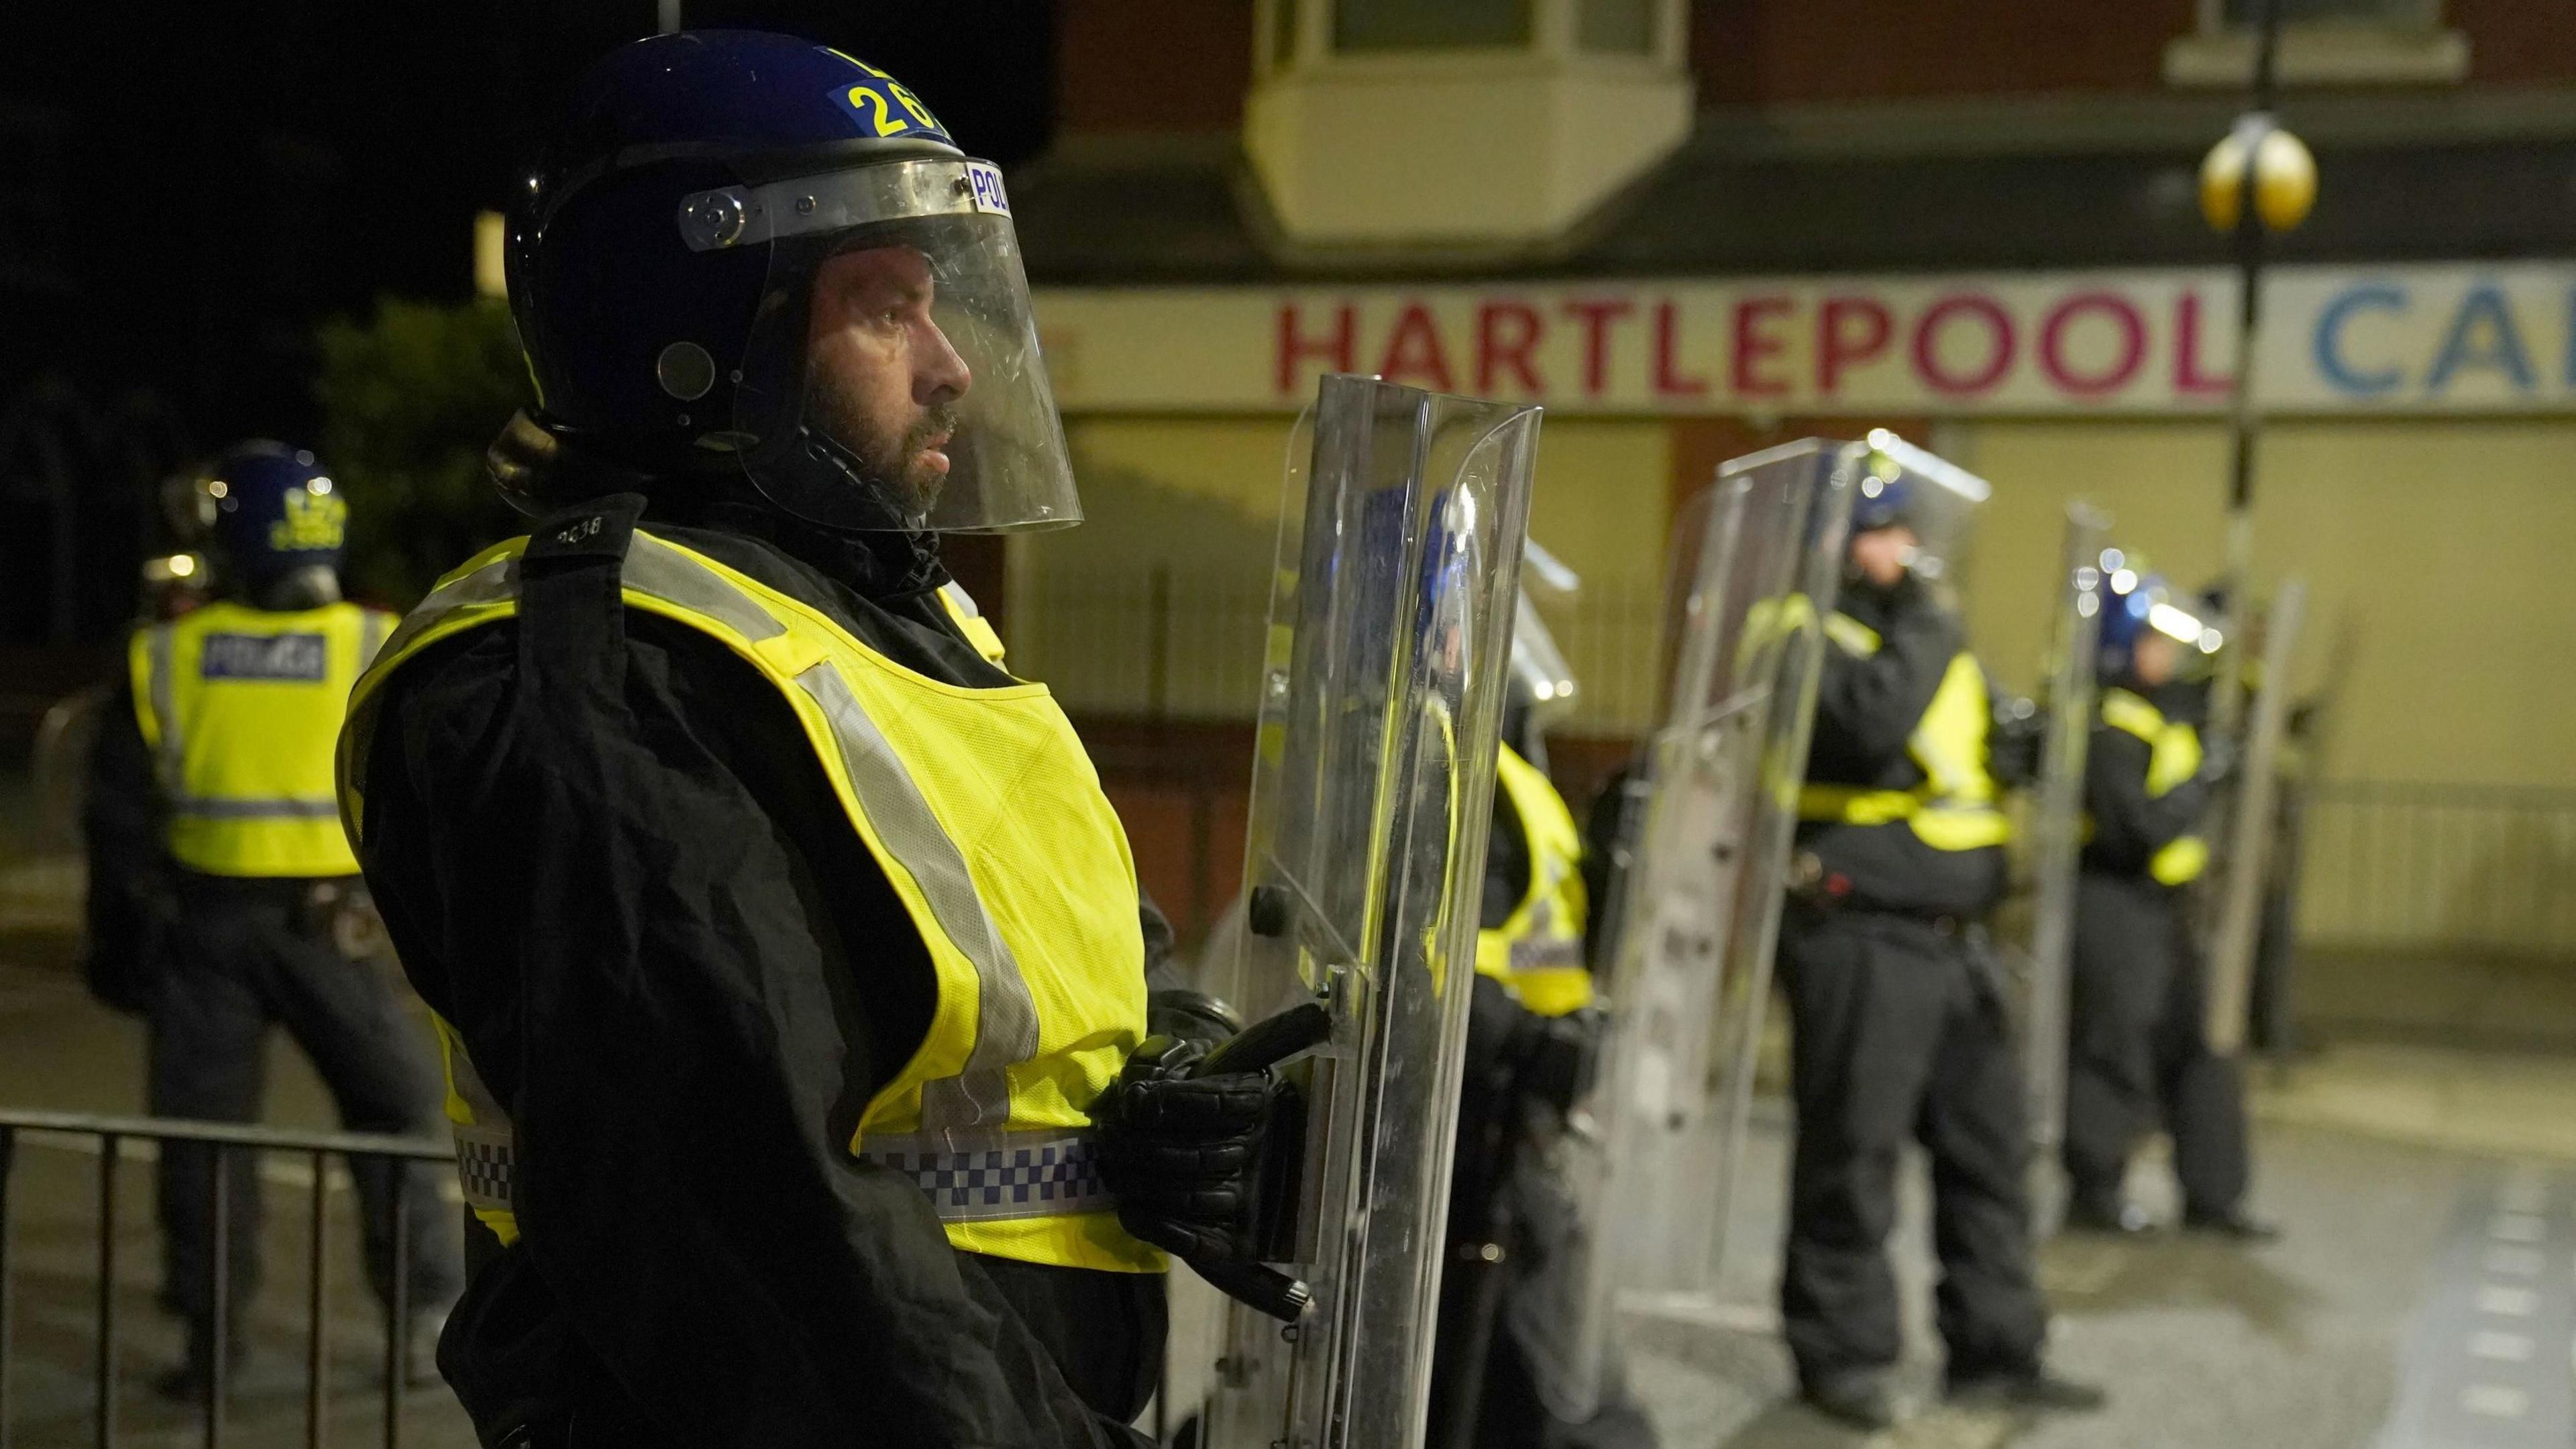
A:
[1865, 1399]
[2035, 1389]
[2233, 1223]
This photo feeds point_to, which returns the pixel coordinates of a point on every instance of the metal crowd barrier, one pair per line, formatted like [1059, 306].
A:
[2486, 870]
[110, 1133]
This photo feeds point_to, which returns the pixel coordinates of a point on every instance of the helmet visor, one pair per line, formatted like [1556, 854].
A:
[892, 378]
[1940, 504]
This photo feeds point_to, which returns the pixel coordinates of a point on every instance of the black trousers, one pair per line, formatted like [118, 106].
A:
[252, 953]
[1899, 1030]
[2136, 1054]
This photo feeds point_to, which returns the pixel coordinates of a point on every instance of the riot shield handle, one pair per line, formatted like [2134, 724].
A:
[1269, 1041]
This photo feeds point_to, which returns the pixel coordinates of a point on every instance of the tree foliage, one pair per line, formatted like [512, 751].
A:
[410, 397]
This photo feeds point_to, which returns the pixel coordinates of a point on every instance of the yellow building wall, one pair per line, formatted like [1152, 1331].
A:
[2440, 547]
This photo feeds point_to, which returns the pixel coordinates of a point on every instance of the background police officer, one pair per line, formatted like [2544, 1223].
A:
[783, 945]
[1530, 1041]
[2137, 1052]
[1897, 1015]
[212, 785]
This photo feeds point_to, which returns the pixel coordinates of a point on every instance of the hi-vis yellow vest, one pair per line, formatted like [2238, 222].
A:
[1537, 952]
[1954, 807]
[2173, 759]
[240, 707]
[989, 822]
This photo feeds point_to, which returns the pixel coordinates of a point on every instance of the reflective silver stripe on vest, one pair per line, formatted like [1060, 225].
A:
[977, 1101]
[283, 809]
[496, 582]
[1024, 1175]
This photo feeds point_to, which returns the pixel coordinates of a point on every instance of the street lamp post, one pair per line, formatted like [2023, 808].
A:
[2258, 179]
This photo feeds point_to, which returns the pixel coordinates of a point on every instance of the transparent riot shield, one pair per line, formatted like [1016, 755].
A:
[1941, 504]
[2055, 835]
[2247, 813]
[1382, 696]
[1651, 1150]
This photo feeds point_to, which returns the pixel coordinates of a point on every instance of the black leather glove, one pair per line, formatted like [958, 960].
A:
[2017, 743]
[1183, 1153]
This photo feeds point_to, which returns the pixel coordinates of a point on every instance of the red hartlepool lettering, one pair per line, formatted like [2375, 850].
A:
[1296, 348]
[1413, 351]
[1596, 318]
[1927, 345]
[1839, 346]
[2188, 378]
[1501, 348]
[1669, 383]
[1755, 345]
[2052, 343]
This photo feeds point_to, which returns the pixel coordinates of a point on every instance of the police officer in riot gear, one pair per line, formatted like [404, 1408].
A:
[782, 944]
[1531, 1037]
[1898, 1021]
[212, 795]
[2137, 1053]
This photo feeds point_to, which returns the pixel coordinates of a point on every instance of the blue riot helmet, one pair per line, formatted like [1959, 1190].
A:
[1936, 500]
[275, 526]
[747, 259]
[2135, 603]
[1881, 502]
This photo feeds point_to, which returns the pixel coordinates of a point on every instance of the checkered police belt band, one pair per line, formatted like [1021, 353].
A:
[483, 1168]
[1020, 1177]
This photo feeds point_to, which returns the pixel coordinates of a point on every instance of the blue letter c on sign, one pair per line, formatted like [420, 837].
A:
[2380, 296]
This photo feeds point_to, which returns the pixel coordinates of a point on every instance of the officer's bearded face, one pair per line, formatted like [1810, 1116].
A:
[881, 378]
[1882, 554]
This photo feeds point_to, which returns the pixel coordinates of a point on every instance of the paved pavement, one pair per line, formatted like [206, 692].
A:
[2360, 1329]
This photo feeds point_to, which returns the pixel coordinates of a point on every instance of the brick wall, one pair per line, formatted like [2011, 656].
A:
[1768, 52]
[1152, 65]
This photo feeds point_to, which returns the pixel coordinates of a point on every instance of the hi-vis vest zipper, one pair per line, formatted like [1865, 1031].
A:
[240, 707]
[1018, 879]
[1537, 952]
[1954, 807]
[2174, 757]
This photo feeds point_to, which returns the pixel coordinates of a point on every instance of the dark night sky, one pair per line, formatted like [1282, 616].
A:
[186, 189]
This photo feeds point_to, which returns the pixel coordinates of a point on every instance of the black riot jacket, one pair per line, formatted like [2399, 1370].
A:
[2130, 825]
[678, 958]
[1866, 708]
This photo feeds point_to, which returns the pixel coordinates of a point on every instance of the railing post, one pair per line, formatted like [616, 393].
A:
[105, 1406]
[218, 1294]
[398, 1308]
[8, 1160]
[317, 1306]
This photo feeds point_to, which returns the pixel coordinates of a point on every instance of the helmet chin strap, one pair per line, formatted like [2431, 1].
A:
[830, 452]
